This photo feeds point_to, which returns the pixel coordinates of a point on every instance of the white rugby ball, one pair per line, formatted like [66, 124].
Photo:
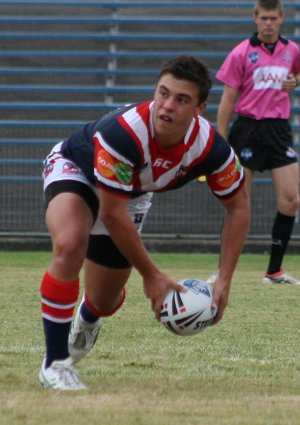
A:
[188, 313]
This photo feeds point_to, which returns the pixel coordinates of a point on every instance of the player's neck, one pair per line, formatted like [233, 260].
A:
[167, 143]
[268, 40]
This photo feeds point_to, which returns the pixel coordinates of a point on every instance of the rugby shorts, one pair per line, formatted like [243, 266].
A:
[62, 175]
[262, 144]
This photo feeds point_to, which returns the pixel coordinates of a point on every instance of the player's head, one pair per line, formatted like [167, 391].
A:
[268, 5]
[190, 69]
[268, 16]
[180, 94]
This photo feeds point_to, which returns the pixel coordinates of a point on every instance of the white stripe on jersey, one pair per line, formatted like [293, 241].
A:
[111, 183]
[196, 150]
[189, 132]
[132, 118]
[223, 166]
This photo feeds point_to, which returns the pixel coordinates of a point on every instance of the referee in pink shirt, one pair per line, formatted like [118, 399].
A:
[259, 75]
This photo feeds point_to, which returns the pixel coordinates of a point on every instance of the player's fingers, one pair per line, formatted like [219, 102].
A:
[216, 304]
[180, 288]
[218, 315]
[157, 306]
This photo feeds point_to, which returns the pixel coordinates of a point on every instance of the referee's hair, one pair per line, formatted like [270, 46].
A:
[191, 69]
[268, 5]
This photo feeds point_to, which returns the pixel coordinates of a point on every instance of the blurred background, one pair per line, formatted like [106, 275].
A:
[64, 63]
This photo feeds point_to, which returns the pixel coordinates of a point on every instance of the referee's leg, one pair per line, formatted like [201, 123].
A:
[286, 183]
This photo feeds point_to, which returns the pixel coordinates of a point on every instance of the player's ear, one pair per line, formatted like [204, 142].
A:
[201, 107]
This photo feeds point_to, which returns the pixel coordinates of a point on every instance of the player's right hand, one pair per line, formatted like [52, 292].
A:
[156, 288]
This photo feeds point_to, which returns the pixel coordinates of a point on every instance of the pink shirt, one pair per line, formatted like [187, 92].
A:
[258, 75]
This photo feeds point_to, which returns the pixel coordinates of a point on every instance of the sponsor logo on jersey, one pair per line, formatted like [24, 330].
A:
[253, 57]
[269, 77]
[287, 58]
[162, 163]
[228, 176]
[111, 168]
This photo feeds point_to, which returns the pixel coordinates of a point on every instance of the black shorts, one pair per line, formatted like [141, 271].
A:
[101, 248]
[262, 144]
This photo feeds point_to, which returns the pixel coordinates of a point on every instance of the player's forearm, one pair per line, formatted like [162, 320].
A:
[224, 115]
[234, 233]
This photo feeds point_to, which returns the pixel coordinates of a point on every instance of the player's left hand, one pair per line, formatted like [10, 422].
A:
[220, 299]
[289, 84]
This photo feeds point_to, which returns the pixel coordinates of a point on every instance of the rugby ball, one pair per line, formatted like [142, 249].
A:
[188, 313]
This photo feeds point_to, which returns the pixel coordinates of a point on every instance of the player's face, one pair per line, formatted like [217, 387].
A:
[175, 104]
[268, 24]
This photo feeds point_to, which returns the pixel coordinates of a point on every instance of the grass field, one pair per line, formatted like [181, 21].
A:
[244, 371]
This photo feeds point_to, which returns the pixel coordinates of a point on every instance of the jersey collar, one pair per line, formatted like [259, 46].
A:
[255, 41]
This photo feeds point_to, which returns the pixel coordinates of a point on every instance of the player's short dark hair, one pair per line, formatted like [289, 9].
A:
[191, 69]
[268, 5]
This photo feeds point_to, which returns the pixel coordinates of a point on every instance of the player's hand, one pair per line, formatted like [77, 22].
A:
[156, 288]
[289, 84]
[220, 299]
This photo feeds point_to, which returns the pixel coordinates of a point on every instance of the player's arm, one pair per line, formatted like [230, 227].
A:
[225, 110]
[234, 233]
[113, 213]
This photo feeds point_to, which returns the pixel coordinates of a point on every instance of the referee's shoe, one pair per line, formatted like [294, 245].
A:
[280, 277]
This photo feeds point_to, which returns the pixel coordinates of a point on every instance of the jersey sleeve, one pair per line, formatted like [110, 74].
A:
[232, 70]
[116, 158]
[296, 62]
[112, 170]
[227, 180]
[224, 173]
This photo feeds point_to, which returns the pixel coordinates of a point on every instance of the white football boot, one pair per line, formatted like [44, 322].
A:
[82, 336]
[211, 280]
[61, 376]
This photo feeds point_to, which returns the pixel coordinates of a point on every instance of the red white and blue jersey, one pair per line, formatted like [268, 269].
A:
[120, 154]
[258, 74]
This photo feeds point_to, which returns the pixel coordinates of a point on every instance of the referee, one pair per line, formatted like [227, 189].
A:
[259, 75]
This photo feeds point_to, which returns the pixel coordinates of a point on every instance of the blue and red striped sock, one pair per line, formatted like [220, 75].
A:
[58, 300]
[90, 314]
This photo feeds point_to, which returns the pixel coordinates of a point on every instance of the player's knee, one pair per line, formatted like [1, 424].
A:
[70, 250]
[294, 203]
[290, 205]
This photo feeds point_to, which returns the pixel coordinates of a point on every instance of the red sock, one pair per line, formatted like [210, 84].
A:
[58, 303]
[58, 298]
[97, 313]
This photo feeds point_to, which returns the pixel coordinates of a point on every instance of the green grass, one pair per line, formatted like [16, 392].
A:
[244, 371]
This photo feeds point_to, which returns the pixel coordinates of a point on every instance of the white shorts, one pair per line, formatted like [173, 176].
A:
[57, 168]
